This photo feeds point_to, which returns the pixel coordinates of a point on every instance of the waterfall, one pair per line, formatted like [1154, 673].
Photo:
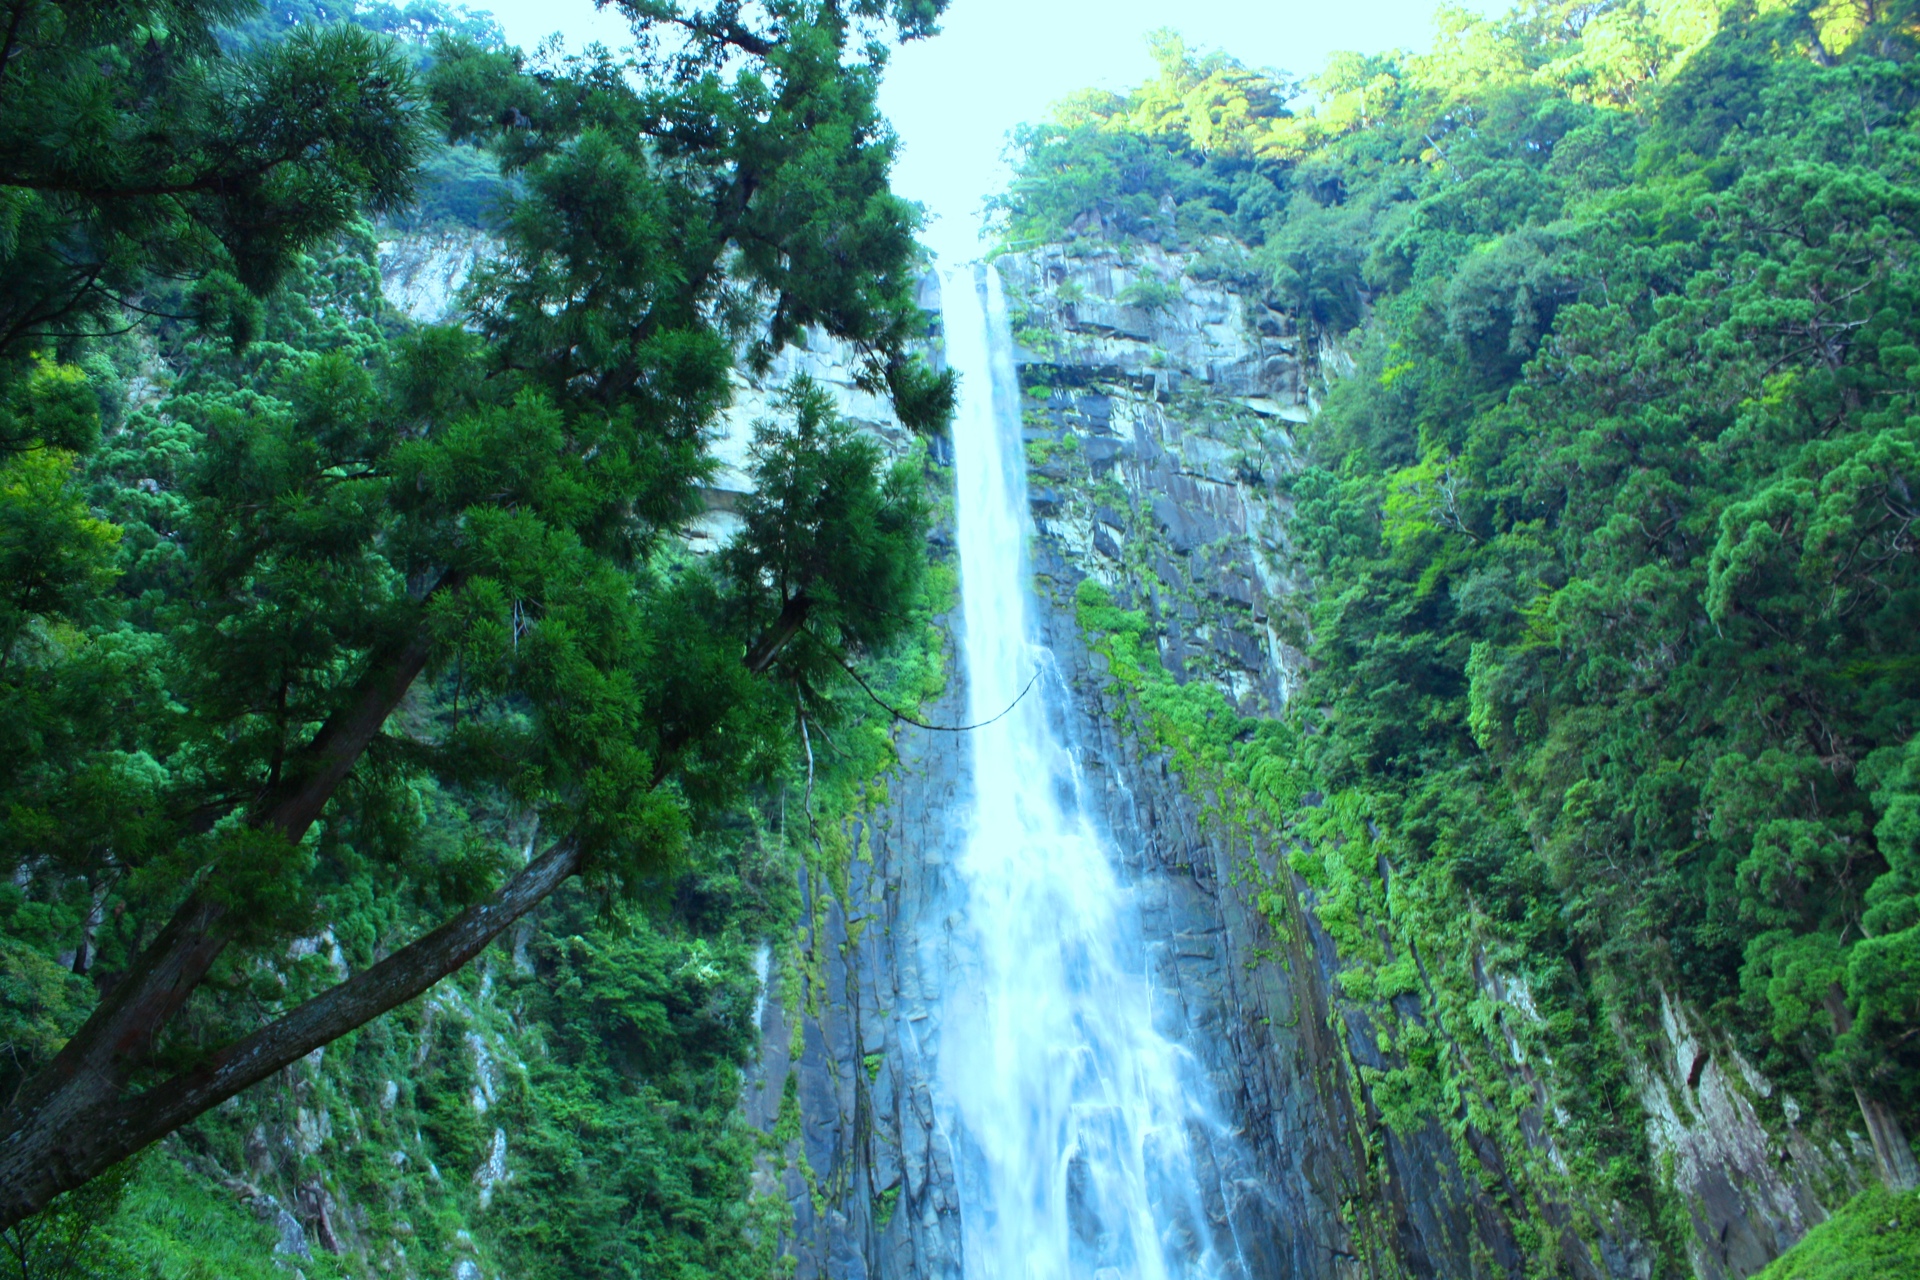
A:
[1078, 1120]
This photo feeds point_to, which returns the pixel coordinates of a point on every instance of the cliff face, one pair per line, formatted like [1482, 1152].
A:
[1157, 411]
[422, 273]
[858, 1040]
[1160, 428]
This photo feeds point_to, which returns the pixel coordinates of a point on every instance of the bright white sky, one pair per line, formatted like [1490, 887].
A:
[1000, 62]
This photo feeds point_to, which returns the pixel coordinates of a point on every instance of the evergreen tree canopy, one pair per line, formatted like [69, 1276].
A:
[349, 581]
[135, 154]
[1610, 522]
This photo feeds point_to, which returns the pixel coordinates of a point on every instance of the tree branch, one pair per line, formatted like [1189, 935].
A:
[312, 779]
[793, 615]
[92, 1070]
[57, 1154]
[8, 49]
[727, 33]
[916, 721]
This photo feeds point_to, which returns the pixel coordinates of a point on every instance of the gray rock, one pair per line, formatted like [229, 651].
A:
[1289, 1186]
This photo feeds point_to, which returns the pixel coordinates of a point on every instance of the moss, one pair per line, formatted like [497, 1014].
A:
[1099, 615]
[1038, 339]
[1248, 778]
[1150, 293]
[884, 1204]
[179, 1227]
[1043, 453]
[1875, 1237]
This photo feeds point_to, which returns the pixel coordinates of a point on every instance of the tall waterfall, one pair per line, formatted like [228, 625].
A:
[1076, 1116]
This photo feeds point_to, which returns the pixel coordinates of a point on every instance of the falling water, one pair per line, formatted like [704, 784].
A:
[1077, 1118]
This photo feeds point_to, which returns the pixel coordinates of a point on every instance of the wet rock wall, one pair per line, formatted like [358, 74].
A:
[1159, 401]
[852, 1026]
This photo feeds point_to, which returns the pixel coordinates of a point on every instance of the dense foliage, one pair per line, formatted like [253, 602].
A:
[133, 150]
[1609, 514]
[320, 625]
[455, 186]
[1876, 1234]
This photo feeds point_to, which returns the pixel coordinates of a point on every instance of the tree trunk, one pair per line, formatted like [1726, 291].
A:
[793, 616]
[1891, 1150]
[58, 1114]
[78, 1134]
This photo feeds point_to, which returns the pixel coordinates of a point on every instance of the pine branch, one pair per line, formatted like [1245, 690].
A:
[915, 721]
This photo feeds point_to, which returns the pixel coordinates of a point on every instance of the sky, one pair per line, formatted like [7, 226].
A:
[998, 63]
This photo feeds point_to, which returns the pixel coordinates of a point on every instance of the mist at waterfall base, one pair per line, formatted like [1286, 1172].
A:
[1075, 1115]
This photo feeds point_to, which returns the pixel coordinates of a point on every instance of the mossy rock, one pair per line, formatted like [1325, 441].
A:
[1875, 1237]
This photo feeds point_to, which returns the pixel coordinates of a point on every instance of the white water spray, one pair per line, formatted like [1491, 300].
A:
[1077, 1118]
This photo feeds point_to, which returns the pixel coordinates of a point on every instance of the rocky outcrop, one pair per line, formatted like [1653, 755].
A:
[1152, 429]
[757, 398]
[1158, 407]
[848, 1072]
[423, 272]
[1751, 1189]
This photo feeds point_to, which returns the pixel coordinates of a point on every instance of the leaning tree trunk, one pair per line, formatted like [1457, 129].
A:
[54, 1131]
[1891, 1150]
[1892, 1153]
[78, 1135]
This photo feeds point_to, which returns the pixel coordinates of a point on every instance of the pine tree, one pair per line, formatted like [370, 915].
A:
[447, 560]
[132, 150]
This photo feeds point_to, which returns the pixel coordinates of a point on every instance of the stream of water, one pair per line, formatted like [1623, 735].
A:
[1076, 1118]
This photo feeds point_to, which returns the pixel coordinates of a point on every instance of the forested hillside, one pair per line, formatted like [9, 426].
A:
[335, 648]
[1483, 511]
[1611, 683]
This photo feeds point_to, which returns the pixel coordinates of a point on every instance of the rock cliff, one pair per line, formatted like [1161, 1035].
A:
[1158, 407]
[422, 273]
[1159, 402]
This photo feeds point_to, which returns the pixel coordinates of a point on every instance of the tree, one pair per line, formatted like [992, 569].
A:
[133, 151]
[1621, 488]
[1609, 524]
[450, 558]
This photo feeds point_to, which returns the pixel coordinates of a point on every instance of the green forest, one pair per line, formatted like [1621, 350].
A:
[368, 727]
[333, 644]
[1609, 522]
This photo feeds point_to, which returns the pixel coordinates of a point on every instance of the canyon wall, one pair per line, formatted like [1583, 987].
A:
[1159, 408]
[1159, 403]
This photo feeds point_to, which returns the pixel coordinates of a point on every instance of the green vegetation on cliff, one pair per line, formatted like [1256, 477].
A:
[1614, 687]
[1876, 1234]
[336, 651]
